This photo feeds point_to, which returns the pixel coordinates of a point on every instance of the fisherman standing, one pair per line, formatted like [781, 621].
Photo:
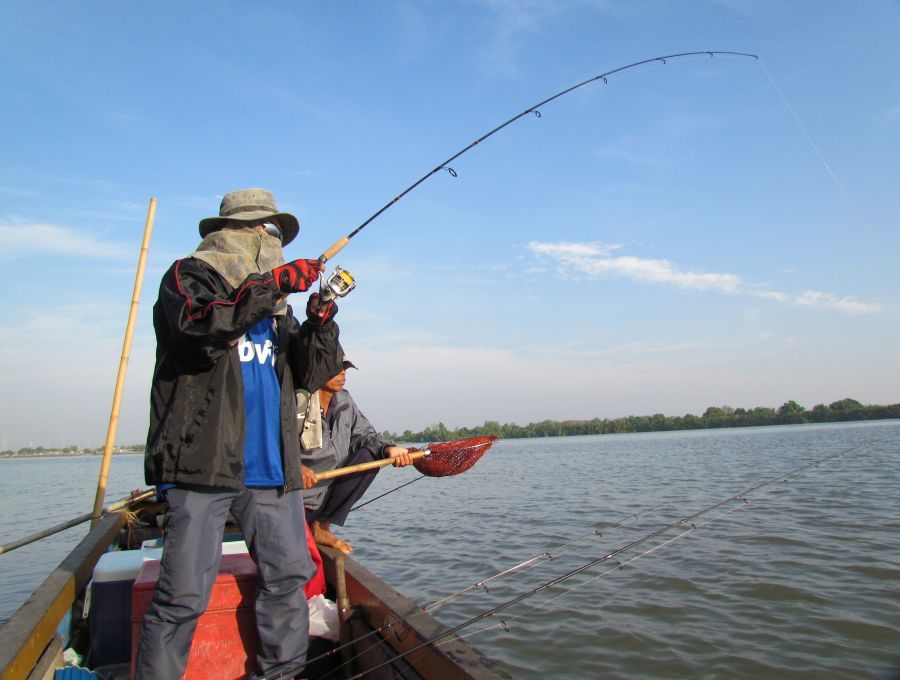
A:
[223, 433]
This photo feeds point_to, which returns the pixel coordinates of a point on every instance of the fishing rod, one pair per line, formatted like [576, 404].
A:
[688, 520]
[137, 496]
[547, 555]
[338, 245]
[553, 553]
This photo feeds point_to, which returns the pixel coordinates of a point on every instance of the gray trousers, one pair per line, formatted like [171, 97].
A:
[344, 491]
[273, 526]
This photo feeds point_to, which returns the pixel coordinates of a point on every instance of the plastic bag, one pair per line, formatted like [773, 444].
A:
[323, 618]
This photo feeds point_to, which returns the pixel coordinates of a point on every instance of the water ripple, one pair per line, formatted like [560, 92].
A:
[801, 582]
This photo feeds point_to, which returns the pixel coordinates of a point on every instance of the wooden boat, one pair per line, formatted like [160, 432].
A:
[31, 644]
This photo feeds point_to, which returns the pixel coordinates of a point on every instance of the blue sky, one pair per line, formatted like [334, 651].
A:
[704, 232]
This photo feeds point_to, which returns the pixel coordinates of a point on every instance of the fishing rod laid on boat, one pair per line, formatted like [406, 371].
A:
[548, 555]
[135, 497]
[441, 459]
[338, 245]
[523, 566]
[740, 497]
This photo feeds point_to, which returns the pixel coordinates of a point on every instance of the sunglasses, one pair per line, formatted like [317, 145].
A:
[273, 230]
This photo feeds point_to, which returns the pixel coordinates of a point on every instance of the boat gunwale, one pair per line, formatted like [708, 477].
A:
[388, 611]
[27, 637]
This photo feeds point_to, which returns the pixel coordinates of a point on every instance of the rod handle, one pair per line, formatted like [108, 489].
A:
[335, 248]
[371, 465]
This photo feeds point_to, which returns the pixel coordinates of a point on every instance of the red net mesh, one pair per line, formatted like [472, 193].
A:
[451, 458]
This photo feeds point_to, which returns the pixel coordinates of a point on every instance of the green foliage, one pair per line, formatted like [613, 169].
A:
[788, 413]
[71, 450]
[846, 405]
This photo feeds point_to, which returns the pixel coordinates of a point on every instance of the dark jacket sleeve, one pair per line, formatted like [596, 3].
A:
[202, 314]
[315, 355]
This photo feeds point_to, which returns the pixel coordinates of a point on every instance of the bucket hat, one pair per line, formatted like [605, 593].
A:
[251, 205]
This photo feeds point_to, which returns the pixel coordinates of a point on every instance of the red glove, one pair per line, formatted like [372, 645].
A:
[297, 276]
[318, 311]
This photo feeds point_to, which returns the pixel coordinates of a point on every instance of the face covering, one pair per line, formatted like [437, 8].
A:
[237, 253]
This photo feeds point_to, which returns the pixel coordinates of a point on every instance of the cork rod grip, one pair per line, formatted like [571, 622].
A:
[335, 248]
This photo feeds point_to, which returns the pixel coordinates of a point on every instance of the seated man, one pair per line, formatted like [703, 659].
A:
[335, 433]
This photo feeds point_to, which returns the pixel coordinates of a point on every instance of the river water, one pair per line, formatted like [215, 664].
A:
[802, 581]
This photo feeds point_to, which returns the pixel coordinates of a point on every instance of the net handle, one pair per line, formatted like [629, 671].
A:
[371, 465]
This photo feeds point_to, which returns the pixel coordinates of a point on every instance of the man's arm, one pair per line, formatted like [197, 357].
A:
[315, 351]
[201, 316]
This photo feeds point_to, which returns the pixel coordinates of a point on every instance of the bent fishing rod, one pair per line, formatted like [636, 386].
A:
[688, 520]
[338, 245]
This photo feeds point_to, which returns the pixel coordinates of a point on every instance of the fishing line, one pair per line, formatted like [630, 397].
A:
[815, 147]
[809, 138]
[386, 493]
[689, 520]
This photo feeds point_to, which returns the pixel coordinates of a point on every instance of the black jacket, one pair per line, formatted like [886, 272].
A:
[197, 413]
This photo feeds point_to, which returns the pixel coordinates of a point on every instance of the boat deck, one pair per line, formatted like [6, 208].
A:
[380, 643]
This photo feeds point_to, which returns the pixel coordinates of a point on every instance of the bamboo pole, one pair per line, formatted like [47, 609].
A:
[123, 365]
[361, 467]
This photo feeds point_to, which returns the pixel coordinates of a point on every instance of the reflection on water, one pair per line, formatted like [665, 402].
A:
[801, 582]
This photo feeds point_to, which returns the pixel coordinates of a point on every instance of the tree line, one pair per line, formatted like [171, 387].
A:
[789, 413]
[71, 450]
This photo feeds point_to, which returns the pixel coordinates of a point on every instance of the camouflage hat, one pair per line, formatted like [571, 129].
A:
[252, 206]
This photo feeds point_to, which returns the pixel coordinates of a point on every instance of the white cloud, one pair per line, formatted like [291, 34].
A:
[595, 260]
[773, 295]
[813, 298]
[563, 250]
[21, 237]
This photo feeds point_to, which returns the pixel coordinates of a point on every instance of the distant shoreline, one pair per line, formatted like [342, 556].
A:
[713, 418]
[59, 454]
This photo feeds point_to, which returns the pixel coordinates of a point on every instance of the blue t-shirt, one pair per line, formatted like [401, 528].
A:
[262, 401]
